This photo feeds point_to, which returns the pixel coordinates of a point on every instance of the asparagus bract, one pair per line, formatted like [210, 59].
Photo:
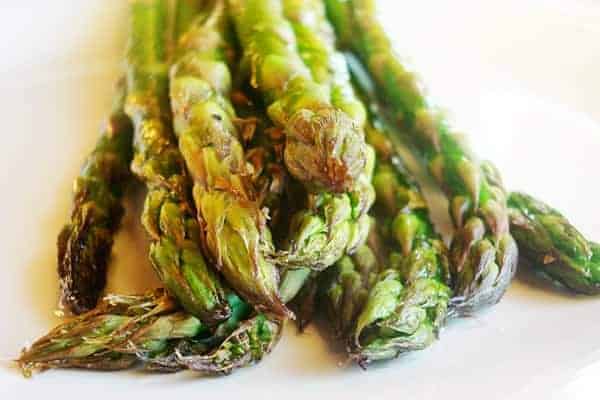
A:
[84, 244]
[169, 216]
[269, 176]
[324, 149]
[264, 154]
[233, 225]
[552, 245]
[484, 254]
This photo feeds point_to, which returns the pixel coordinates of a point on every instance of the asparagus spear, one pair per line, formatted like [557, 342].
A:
[552, 245]
[324, 149]
[85, 242]
[169, 216]
[109, 336]
[331, 224]
[152, 330]
[328, 227]
[408, 297]
[233, 225]
[483, 255]
[408, 303]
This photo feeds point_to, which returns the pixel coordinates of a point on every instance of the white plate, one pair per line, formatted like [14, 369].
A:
[521, 78]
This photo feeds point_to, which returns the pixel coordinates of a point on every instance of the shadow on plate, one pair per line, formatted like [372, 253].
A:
[535, 286]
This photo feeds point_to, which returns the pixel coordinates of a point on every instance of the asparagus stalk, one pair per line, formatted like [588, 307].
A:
[233, 225]
[153, 330]
[550, 244]
[85, 242]
[400, 302]
[109, 336]
[315, 39]
[324, 149]
[331, 224]
[484, 254]
[169, 216]
[408, 303]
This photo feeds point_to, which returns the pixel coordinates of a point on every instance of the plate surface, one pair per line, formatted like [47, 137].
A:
[520, 78]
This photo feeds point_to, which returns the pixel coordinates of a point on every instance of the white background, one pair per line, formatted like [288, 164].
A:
[521, 78]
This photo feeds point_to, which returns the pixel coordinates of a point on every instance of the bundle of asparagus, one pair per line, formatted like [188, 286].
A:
[262, 148]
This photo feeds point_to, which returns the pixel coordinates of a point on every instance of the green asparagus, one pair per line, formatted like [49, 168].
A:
[233, 225]
[408, 303]
[169, 216]
[152, 330]
[324, 147]
[275, 188]
[315, 40]
[84, 244]
[384, 301]
[484, 254]
[549, 242]
[331, 224]
[111, 335]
